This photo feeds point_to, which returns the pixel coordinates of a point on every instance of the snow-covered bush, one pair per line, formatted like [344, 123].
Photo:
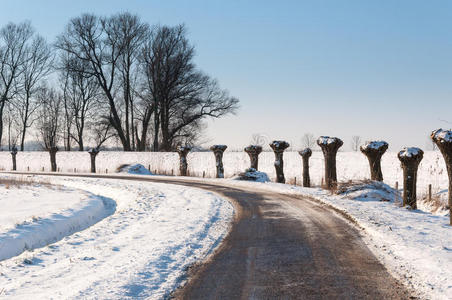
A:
[133, 169]
[252, 174]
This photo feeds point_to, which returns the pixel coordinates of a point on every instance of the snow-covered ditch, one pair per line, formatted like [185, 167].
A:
[35, 215]
[143, 249]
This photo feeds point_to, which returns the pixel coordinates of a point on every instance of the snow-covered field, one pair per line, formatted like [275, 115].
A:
[415, 245]
[350, 165]
[144, 238]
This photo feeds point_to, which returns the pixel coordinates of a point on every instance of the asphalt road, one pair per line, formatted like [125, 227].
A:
[285, 247]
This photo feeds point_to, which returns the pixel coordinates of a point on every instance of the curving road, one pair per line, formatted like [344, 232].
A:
[284, 247]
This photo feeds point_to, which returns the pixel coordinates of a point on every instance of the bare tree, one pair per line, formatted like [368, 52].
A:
[182, 96]
[259, 139]
[108, 46]
[80, 95]
[132, 33]
[37, 64]
[308, 141]
[102, 133]
[13, 49]
[12, 126]
[143, 118]
[356, 141]
[49, 122]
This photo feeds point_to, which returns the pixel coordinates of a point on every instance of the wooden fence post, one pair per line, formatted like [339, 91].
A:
[396, 191]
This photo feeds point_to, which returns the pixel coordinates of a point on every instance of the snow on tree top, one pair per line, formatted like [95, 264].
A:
[306, 151]
[184, 149]
[326, 140]
[374, 145]
[93, 150]
[410, 152]
[279, 145]
[218, 147]
[444, 136]
[253, 148]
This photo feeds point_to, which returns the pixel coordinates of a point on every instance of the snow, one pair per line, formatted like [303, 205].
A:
[218, 147]
[416, 246]
[252, 174]
[279, 145]
[350, 165]
[306, 151]
[93, 150]
[134, 169]
[410, 152]
[374, 145]
[142, 250]
[326, 140]
[253, 148]
[184, 149]
[34, 216]
[444, 136]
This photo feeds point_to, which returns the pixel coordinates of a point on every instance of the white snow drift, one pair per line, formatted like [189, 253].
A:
[35, 216]
[142, 250]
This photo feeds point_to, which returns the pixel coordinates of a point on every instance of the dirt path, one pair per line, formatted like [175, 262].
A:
[284, 247]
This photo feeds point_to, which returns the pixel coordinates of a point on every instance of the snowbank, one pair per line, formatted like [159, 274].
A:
[134, 169]
[35, 216]
[252, 175]
[143, 250]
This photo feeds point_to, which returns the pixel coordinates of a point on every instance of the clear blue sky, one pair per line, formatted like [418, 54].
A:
[378, 69]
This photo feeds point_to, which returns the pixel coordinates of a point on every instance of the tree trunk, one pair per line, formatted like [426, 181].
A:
[164, 122]
[155, 145]
[80, 143]
[13, 155]
[443, 139]
[93, 153]
[22, 140]
[253, 152]
[278, 148]
[166, 145]
[141, 142]
[183, 167]
[306, 154]
[2, 105]
[218, 152]
[410, 159]
[330, 146]
[374, 151]
[53, 163]
[81, 147]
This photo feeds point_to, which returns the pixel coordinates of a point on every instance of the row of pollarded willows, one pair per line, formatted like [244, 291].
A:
[409, 157]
